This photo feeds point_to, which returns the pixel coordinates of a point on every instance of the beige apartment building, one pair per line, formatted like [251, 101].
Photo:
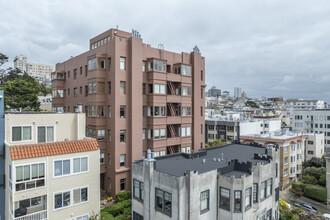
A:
[50, 174]
[292, 148]
[136, 97]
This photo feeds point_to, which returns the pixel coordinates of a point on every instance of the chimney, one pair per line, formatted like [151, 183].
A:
[149, 154]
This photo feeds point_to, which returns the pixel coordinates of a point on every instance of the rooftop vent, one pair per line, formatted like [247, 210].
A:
[136, 34]
[196, 49]
[204, 160]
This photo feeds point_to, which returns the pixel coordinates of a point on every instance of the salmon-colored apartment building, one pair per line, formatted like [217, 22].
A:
[136, 98]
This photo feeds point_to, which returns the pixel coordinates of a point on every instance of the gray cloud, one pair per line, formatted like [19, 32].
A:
[269, 48]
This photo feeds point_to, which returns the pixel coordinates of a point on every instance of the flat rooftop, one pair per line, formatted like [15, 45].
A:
[215, 158]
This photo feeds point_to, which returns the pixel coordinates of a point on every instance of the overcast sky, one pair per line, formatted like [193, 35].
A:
[268, 48]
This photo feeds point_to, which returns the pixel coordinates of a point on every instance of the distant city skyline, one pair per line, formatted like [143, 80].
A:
[266, 48]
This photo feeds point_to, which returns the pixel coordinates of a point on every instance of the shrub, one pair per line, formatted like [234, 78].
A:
[314, 171]
[309, 179]
[115, 209]
[323, 180]
[317, 193]
[122, 196]
[298, 188]
[127, 203]
[283, 205]
[128, 212]
[121, 217]
[106, 216]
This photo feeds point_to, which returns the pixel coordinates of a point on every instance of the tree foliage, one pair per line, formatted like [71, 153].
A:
[20, 90]
[309, 179]
[316, 172]
[217, 142]
[315, 162]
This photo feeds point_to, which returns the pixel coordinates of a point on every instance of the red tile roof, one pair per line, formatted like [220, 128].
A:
[18, 152]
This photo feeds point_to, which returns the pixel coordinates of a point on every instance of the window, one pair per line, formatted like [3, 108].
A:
[27, 203]
[122, 111]
[150, 134]
[80, 195]
[186, 90]
[310, 152]
[310, 142]
[255, 192]
[144, 89]
[122, 184]
[150, 90]
[162, 133]
[144, 131]
[238, 201]
[276, 170]
[100, 87]
[100, 111]
[92, 87]
[156, 133]
[122, 87]
[162, 110]
[109, 88]
[109, 159]
[225, 198]
[163, 202]
[29, 176]
[202, 75]
[101, 63]
[205, 201]
[122, 63]
[188, 131]
[183, 131]
[186, 111]
[122, 135]
[84, 217]
[109, 135]
[92, 63]
[150, 110]
[144, 110]
[138, 190]
[122, 160]
[62, 167]
[45, 134]
[92, 110]
[80, 89]
[286, 172]
[157, 111]
[101, 157]
[21, 133]
[62, 199]
[266, 188]
[248, 195]
[109, 111]
[185, 70]
[202, 91]
[286, 160]
[137, 216]
[75, 74]
[79, 165]
[86, 90]
[10, 177]
[143, 66]
[159, 89]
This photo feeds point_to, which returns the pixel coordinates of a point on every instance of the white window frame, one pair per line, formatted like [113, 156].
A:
[11, 133]
[122, 63]
[71, 197]
[13, 173]
[71, 166]
[54, 127]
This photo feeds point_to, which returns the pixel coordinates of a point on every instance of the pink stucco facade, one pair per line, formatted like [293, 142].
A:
[147, 91]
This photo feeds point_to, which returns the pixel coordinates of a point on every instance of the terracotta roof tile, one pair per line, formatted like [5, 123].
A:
[18, 152]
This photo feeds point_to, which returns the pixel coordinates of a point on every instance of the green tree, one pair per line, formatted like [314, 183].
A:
[309, 179]
[22, 94]
[316, 172]
[315, 162]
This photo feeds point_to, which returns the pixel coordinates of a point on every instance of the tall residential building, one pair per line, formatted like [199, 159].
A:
[20, 62]
[301, 104]
[237, 92]
[214, 183]
[2, 160]
[52, 171]
[315, 121]
[39, 70]
[136, 98]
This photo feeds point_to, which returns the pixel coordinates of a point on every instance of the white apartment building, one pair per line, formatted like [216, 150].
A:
[20, 62]
[39, 69]
[314, 145]
[52, 172]
[214, 183]
[301, 104]
[315, 121]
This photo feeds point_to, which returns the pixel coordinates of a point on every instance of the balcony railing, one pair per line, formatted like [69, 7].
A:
[34, 216]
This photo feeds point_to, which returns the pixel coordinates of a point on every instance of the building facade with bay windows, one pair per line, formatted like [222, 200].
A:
[135, 97]
[214, 183]
[52, 171]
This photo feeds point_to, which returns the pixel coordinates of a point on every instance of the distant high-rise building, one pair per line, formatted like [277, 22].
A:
[237, 92]
[214, 92]
[20, 62]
